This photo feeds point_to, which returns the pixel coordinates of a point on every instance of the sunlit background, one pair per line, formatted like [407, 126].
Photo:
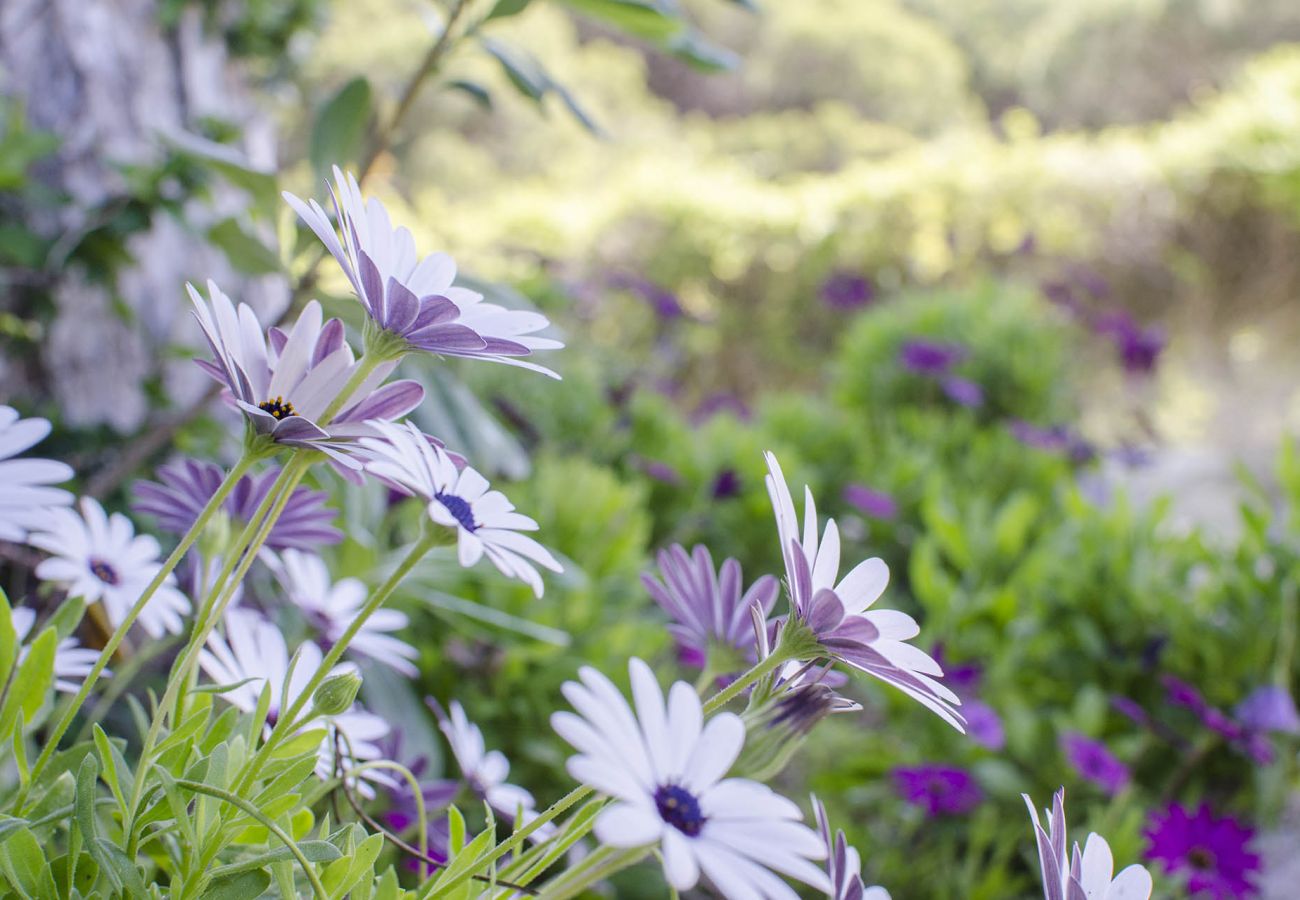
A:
[1011, 283]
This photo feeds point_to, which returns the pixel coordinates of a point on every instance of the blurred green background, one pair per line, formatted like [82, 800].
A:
[740, 219]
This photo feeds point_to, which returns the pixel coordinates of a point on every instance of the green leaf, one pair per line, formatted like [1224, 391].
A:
[221, 688]
[315, 851]
[653, 21]
[8, 825]
[23, 861]
[340, 128]
[67, 617]
[505, 8]
[245, 252]
[244, 886]
[31, 684]
[521, 67]
[8, 641]
[694, 48]
[481, 95]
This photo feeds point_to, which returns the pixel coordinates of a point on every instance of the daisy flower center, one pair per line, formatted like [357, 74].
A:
[279, 408]
[1201, 858]
[460, 510]
[680, 809]
[104, 572]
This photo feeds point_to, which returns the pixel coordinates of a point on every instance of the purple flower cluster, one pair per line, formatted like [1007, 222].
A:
[870, 502]
[847, 290]
[1138, 348]
[663, 301]
[1247, 739]
[1095, 763]
[1211, 852]
[1057, 439]
[938, 789]
[935, 360]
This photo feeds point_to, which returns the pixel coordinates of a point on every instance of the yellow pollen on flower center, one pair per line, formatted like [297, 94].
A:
[279, 408]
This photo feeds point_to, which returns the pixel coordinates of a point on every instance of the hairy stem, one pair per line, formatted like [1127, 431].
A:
[764, 667]
[115, 639]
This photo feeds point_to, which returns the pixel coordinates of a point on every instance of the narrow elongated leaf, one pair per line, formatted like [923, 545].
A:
[340, 128]
[243, 886]
[8, 641]
[315, 851]
[648, 19]
[30, 685]
[506, 8]
[22, 859]
[245, 252]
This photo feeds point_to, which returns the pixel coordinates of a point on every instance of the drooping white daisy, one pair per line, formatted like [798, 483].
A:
[330, 607]
[284, 383]
[413, 297]
[254, 648]
[72, 662]
[485, 521]
[25, 484]
[100, 558]
[839, 611]
[665, 768]
[486, 771]
[1086, 875]
[843, 865]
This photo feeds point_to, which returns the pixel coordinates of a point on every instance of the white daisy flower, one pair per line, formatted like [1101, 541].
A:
[664, 767]
[485, 521]
[254, 648]
[838, 610]
[284, 383]
[486, 770]
[413, 297]
[101, 559]
[25, 491]
[331, 607]
[1086, 875]
[72, 662]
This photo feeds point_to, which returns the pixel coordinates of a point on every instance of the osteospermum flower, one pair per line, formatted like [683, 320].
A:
[101, 559]
[1095, 763]
[838, 612]
[939, 790]
[284, 383]
[330, 608]
[1211, 852]
[1081, 876]
[706, 605]
[413, 297]
[25, 484]
[664, 767]
[486, 771]
[1269, 707]
[843, 865]
[485, 521]
[184, 488]
[253, 654]
[72, 662]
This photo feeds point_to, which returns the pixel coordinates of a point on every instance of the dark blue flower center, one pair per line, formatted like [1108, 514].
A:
[104, 572]
[279, 408]
[460, 510]
[679, 808]
[1201, 858]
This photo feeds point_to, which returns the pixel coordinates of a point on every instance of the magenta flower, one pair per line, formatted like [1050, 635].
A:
[706, 605]
[846, 290]
[933, 358]
[1139, 348]
[870, 502]
[983, 724]
[1211, 852]
[183, 489]
[939, 790]
[1094, 763]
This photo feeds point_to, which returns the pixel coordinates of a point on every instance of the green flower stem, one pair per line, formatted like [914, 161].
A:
[598, 866]
[177, 682]
[252, 811]
[577, 795]
[528, 866]
[365, 367]
[765, 666]
[287, 721]
[115, 639]
[123, 676]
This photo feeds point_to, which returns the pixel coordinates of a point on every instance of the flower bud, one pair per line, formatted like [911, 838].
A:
[336, 694]
[776, 728]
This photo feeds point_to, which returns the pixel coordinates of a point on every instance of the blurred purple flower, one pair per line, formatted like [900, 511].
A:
[1269, 707]
[846, 290]
[1132, 709]
[1139, 348]
[983, 724]
[963, 392]
[185, 486]
[1211, 853]
[720, 402]
[939, 790]
[726, 485]
[1180, 693]
[706, 605]
[870, 502]
[1093, 762]
[1056, 439]
[659, 471]
[663, 301]
[925, 357]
